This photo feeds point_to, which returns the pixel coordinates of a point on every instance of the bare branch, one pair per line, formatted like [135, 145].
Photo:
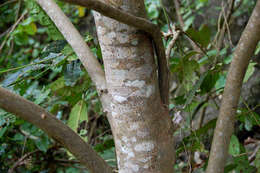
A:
[11, 30]
[20, 161]
[175, 34]
[182, 24]
[225, 124]
[74, 38]
[55, 129]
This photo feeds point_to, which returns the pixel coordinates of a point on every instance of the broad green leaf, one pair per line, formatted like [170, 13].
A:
[209, 81]
[188, 22]
[2, 131]
[21, 39]
[195, 88]
[220, 83]
[242, 162]
[234, 146]
[248, 118]
[109, 155]
[30, 29]
[250, 71]
[42, 96]
[81, 11]
[28, 21]
[229, 168]
[203, 1]
[77, 115]
[152, 10]
[57, 84]
[42, 143]
[202, 36]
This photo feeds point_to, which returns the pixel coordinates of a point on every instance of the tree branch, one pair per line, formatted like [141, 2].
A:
[74, 38]
[82, 50]
[225, 124]
[55, 129]
[142, 24]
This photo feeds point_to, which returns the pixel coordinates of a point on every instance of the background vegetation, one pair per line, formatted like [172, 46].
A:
[38, 64]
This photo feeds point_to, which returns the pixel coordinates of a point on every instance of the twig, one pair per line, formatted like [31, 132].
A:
[12, 29]
[226, 20]
[175, 35]
[27, 65]
[66, 161]
[182, 24]
[5, 32]
[20, 161]
[253, 155]
[7, 2]
[198, 46]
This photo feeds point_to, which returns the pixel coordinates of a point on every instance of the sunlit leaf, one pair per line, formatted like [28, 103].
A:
[250, 71]
[81, 11]
[77, 115]
[234, 146]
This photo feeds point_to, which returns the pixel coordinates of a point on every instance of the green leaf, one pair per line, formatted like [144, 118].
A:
[57, 84]
[202, 36]
[188, 22]
[42, 96]
[257, 50]
[229, 168]
[195, 88]
[234, 146]
[21, 39]
[220, 83]
[42, 143]
[30, 29]
[203, 1]
[72, 73]
[152, 11]
[2, 131]
[250, 71]
[242, 162]
[209, 81]
[77, 115]
[248, 124]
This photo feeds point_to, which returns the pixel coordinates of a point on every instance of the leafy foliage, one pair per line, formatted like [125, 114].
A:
[38, 64]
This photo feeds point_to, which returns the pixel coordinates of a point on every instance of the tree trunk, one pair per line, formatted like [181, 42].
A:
[227, 114]
[141, 125]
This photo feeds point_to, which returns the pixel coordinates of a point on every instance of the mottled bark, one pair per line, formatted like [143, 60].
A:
[113, 10]
[140, 124]
[225, 124]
